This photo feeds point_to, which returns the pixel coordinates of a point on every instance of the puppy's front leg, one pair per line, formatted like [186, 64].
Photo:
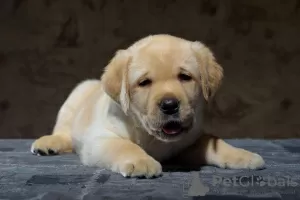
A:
[212, 150]
[121, 156]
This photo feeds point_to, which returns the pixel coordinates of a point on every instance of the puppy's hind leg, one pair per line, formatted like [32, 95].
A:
[54, 144]
[61, 141]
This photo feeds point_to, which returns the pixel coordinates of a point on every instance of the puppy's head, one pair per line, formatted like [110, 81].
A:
[161, 81]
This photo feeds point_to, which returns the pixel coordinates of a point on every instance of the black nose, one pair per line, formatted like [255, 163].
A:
[169, 106]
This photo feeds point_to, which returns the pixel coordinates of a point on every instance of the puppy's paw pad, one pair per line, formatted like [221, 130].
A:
[46, 145]
[140, 167]
[40, 152]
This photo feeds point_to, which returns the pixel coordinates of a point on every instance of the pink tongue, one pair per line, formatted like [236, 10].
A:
[171, 131]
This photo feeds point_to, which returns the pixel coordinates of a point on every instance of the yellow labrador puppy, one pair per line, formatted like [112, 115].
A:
[147, 108]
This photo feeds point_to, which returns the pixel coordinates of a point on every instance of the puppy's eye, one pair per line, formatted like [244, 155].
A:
[184, 77]
[145, 82]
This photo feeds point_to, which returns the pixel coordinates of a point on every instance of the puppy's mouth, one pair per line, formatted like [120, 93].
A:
[172, 128]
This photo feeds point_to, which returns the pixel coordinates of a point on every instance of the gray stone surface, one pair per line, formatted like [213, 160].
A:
[24, 176]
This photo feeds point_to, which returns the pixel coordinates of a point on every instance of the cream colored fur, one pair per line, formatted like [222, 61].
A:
[115, 123]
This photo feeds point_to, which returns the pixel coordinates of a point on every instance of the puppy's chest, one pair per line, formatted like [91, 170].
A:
[159, 150]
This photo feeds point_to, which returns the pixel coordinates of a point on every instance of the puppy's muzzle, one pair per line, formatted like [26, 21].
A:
[169, 106]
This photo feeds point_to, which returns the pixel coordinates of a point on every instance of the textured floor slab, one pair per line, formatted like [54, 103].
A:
[24, 176]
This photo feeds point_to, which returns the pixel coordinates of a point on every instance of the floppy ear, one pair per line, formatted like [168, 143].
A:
[115, 79]
[210, 71]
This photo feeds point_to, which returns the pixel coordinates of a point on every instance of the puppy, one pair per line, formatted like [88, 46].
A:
[146, 109]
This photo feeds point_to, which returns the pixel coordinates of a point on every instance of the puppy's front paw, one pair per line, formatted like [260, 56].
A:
[242, 159]
[47, 145]
[139, 167]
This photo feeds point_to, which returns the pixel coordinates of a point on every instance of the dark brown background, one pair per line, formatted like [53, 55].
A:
[46, 47]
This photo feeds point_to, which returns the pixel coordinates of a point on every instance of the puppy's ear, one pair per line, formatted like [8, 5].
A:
[210, 71]
[115, 79]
